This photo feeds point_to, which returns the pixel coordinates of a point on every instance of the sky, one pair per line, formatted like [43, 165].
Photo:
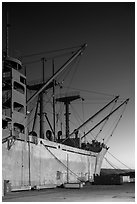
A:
[107, 65]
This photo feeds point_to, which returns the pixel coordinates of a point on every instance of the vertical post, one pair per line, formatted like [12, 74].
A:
[43, 60]
[25, 71]
[35, 116]
[41, 104]
[26, 132]
[67, 119]
[11, 110]
[67, 168]
[95, 166]
[41, 116]
[80, 140]
[88, 169]
[54, 125]
[29, 162]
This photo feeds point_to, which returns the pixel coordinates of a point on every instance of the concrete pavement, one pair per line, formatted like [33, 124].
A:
[89, 193]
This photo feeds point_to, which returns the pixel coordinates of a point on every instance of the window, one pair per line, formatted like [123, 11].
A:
[19, 87]
[18, 107]
[4, 124]
[22, 80]
[6, 74]
[18, 128]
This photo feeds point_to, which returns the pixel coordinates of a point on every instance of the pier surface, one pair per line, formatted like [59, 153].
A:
[89, 193]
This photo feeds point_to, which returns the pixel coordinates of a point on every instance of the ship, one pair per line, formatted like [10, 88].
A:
[44, 159]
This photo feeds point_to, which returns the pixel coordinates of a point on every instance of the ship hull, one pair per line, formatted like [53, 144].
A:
[44, 164]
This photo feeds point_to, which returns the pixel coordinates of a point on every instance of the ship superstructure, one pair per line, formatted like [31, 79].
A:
[13, 100]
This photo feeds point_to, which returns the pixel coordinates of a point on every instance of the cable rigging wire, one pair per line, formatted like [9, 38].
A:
[110, 164]
[81, 121]
[77, 116]
[85, 126]
[95, 92]
[67, 71]
[74, 73]
[118, 120]
[114, 166]
[105, 122]
[48, 58]
[119, 161]
[49, 52]
[113, 130]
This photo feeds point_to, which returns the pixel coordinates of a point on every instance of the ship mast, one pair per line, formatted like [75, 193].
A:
[54, 125]
[67, 100]
[42, 103]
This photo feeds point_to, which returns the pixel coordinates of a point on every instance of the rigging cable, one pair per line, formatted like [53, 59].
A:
[67, 71]
[75, 70]
[80, 120]
[105, 122]
[59, 112]
[115, 167]
[95, 92]
[49, 58]
[48, 52]
[119, 161]
[110, 163]
[116, 125]
[77, 116]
